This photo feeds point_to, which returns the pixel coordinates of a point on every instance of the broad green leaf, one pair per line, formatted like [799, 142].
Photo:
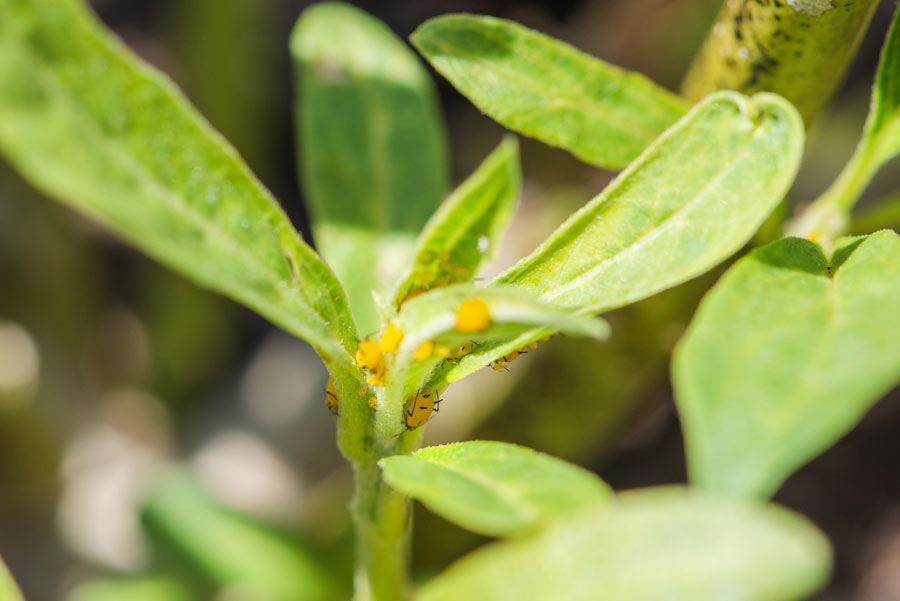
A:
[670, 543]
[546, 89]
[466, 230]
[229, 549]
[9, 590]
[432, 318]
[371, 147]
[494, 488]
[693, 198]
[87, 122]
[157, 588]
[784, 356]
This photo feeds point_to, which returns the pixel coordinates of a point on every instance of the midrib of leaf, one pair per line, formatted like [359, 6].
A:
[121, 155]
[673, 220]
[609, 119]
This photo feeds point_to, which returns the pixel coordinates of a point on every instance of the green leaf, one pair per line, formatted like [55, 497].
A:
[692, 199]
[494, 488]
[157, 588]
[652, 544]
[784, 356]
[9, 590]
[229, 549]
[432, 318]
[371, 146]
[466, 230]
[88, 123]
[883, 123]
[547, 89]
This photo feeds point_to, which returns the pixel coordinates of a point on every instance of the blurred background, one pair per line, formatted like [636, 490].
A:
[159, 442]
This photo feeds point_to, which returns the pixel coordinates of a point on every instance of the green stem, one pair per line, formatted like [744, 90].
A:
[799, 50]
[829, 216]
[381, 519]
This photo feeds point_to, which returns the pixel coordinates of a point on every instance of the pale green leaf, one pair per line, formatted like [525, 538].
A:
[784, 356]
[371, 147]
[466, 230]
[546, 89]
[494, 488]
[152, 588]
[432, 318]
[692, 199]
[88, 123]
[653, 544]
[230, 550]
[9, 590]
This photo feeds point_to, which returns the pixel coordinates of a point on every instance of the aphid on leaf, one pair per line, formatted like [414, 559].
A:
[505, 360]
[331, 399]
[420, 409]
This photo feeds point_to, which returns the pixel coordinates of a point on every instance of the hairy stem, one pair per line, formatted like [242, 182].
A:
[799, 49]
[381, 520]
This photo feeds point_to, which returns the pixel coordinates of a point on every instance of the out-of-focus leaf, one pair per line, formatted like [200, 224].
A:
[137, 589]
[9, 590]
[784, 356]
[653, 544]
[466, 230]
[432, 318]
[692, 199]
[231, 550]
[90, 124]
[494, 488]
[371, 143]
[547, 89]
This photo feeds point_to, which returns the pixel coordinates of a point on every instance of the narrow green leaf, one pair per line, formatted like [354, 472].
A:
[784, 356]
[9, 590]
[692, 199]
[229, 549]
[371, 147]
[159, 588]
[87, 122]
[547, 89]
[494, 488]
[883, 123]
[647, 545]
[466, 230]
[432, 318]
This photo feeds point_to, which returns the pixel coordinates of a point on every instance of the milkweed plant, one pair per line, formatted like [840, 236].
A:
[784, 355]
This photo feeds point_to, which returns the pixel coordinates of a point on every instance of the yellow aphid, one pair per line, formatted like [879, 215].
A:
[331, 399]
[420, 409]
[442, 350]
[472, 315]
[373, 402]
[505, 360]
[460, 351]
[369, 356]
[424, 350]
[390, 338]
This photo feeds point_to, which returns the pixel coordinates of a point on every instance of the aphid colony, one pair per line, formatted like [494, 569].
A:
[472, 316]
